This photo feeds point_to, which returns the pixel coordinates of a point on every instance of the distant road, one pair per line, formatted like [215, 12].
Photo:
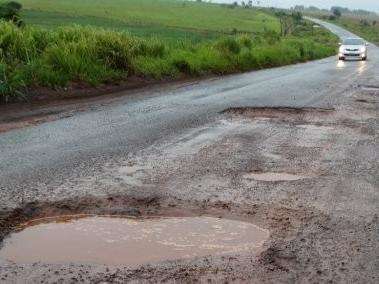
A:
[341, 32]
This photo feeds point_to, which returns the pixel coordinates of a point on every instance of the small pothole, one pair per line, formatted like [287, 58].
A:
[130, 241]
[282, 113]
[362, 101]
[369, 87]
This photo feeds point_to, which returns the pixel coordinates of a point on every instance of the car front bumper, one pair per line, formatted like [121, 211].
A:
[358, 55]
[354, 54]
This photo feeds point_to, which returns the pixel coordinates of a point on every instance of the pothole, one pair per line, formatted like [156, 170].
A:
[283, 113]
[271, 176]
[362, 101]
[366, 101]
[369, 87]
[130, 241]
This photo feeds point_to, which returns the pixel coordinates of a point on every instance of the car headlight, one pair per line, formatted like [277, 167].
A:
[341, 49]
[362, 49]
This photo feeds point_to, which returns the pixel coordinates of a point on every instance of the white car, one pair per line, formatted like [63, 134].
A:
[353, 48]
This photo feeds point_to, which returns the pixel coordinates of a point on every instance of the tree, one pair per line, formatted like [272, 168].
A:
[364, 22]
[336, 12]
[299, 8]
[297, 17]
[289, 21]
[286, 23]
[10, 11]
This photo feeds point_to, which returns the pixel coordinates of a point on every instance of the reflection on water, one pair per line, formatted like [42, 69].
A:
[340, 64]
[131, 242]
[360, 65]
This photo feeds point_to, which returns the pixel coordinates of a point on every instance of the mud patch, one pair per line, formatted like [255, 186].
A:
[131, 241]
[271, 176]
[279, 113]
[8, 124]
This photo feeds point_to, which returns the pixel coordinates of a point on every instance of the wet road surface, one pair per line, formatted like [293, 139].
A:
[221, 147]
[50, 151]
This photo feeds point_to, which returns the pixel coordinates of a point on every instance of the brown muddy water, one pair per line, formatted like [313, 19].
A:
[131, 242]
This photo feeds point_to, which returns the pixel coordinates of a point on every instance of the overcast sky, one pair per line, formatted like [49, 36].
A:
[372, 5]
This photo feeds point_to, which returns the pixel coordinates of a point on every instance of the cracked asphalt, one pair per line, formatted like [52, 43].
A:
[191, 149]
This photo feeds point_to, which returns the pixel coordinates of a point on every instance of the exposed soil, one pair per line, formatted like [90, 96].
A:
[288, 170]
[283, 113]
[279, 221]
[292, 150]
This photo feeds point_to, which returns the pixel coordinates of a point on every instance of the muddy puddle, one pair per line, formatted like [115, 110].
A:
[129, 241]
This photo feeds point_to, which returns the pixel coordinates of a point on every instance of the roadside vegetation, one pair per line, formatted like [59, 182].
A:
[10, 11]
[172, 19]
[33, 57]
[360, 22]
[365, 28]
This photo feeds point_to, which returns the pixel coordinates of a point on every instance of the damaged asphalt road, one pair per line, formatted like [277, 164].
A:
[291, 149]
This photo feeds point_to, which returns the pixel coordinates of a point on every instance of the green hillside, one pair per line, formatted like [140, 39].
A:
[149, 17]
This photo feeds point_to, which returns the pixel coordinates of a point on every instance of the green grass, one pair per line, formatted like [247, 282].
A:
[52, 20]
[114, 40]
[32, 57]
[164, 13]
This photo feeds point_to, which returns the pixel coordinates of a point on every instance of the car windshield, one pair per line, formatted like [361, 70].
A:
[353, 41]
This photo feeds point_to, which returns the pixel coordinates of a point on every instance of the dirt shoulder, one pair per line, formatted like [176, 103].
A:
[49, 105]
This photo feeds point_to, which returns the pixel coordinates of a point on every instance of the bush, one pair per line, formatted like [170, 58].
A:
[33, 57]
[228, 45]
[10, 11]
[245, 41]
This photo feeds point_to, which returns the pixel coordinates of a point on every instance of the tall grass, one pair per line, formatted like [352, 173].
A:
[34, 57]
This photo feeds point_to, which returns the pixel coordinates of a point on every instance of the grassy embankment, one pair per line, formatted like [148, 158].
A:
[367, 29]
[150, 39]
[145, 17]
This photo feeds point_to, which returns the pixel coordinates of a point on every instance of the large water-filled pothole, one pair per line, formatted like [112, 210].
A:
[130, 241]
